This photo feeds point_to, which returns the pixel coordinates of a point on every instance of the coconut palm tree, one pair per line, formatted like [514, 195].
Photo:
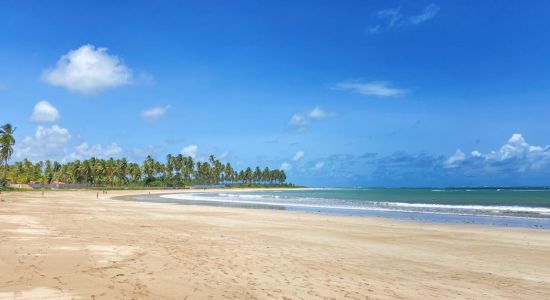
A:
[178, 170]
[228, 173]
[121, 171]
[149, 167]
[135, 172]
[6, 145]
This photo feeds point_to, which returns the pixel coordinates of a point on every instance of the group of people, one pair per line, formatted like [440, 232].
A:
[104, 192]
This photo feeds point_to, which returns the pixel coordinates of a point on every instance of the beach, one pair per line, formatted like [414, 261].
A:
[70, 245]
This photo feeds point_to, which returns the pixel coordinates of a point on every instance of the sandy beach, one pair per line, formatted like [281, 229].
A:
[70, 245]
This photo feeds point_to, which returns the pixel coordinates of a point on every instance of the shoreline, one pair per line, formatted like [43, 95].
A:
[209, 198]
[69, 244]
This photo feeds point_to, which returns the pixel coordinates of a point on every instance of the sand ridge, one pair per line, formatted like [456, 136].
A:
[70, 245]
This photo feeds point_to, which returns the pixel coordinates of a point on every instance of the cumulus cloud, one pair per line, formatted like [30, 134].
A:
[455, 159]
[190, 150]
[154, 113]
[85, 151]
[88, 70]
[299, 122]
[516, 156]
[372, 88]
[515, 163]
[52, 143]
[392, 18]
[44, 111]
[298, 155]
[285, 166]
[47, 143]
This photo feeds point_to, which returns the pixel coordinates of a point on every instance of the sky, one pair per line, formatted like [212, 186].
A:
[337, 93]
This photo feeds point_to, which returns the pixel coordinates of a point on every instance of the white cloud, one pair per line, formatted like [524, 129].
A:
[393, 18]
[372, 88]
[298, 155]
[427, 13]
[154, 112]
[190, 150]
[299, 122]
[47, 143]
[84, 151]
[455, 159]
[476, 153]
[516, 162]
[514, 156]
[44, 111]
[51, 143]
[318, 166]
[374, 29]
[318, 113]
[525, 156]
[87, 70]
[286, 166]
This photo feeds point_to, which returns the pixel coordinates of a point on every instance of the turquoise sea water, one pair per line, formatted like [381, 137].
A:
[501, 207]
[457, 196]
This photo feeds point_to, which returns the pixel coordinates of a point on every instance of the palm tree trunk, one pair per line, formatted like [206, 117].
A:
[5, 169]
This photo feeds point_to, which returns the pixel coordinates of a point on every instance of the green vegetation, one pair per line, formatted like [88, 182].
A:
[6, 148]
[176, 171]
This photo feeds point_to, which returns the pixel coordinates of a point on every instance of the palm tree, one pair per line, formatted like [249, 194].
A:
[149, 166]
[121, 171]
[178, 170]
[187, 170]
[266, 178]
[248, 175]
[257, 175]
[6, 145]
[228, 172]
[168, 171]
[135, 172]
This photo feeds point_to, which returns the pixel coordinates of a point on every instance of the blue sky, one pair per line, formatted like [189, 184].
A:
[339, 93]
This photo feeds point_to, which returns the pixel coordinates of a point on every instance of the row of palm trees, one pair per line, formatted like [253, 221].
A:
[177, 170]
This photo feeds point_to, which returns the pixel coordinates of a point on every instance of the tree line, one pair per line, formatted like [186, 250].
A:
[177, 170]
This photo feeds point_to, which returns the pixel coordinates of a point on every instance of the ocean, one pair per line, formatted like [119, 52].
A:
[487, 206]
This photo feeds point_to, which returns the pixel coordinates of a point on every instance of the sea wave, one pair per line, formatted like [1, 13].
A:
[524, 209]
[339, 204]
[277, 197]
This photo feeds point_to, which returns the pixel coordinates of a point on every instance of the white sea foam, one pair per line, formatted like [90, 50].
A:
[523, 209]
[272, 197]
[336, 204]
[208, 198]
[249, 196]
